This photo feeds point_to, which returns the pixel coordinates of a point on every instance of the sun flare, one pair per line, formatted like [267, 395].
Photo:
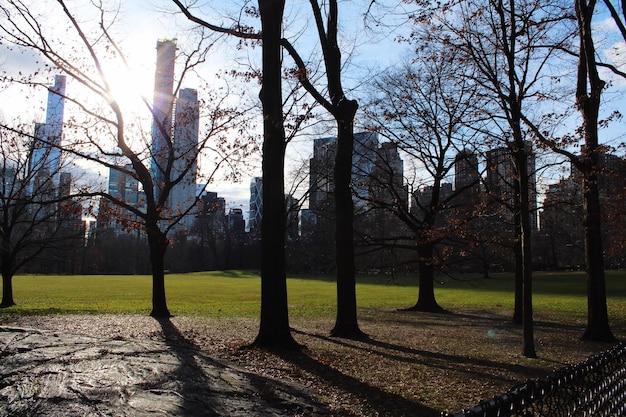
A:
[128, 88]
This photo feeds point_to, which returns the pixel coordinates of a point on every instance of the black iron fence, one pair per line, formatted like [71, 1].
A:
[594, 388]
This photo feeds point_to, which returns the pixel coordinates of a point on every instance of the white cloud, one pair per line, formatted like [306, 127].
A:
[15, 59]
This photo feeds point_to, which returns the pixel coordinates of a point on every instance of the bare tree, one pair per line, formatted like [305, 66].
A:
[39, 211]
[511, 45]
[425, 109]
[589, 88]
[588, 93]
[274, 331]
[344, 111]
[101, 133]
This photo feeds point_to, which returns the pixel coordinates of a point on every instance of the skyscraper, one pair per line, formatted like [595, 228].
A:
[466, 173]
[123, 187]
[386, 178]
[186, 124]
[501, 177]
[321, 172]
[46, 159]
[321, 169]
[175, 126]
[364, 158]
[256, 204]
[162, 105]
[467, 181]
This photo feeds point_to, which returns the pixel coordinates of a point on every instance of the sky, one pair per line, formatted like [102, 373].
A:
[140, 23]
[137, 27]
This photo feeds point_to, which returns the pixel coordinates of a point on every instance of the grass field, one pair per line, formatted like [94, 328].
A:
[237, 294]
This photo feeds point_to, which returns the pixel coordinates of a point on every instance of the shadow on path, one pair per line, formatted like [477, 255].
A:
[58, 374]
[381, 402]
[189, 381]
[211, 388]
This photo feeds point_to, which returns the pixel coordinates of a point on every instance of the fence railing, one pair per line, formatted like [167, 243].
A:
[594, 388]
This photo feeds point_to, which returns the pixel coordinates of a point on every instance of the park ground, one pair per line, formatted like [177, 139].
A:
[413, 364]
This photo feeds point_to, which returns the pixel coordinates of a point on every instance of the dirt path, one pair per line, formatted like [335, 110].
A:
[133, 365]
[59, 373]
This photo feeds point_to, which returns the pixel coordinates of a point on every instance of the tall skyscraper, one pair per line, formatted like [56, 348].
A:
[125, 188]
[175, 126]
[46, 159]
[386, 178]
[65, 184]
[364, 157]
[321, 183]
[467, 181]
[367, 154]
[501, 175]
[466, 173]
[163, 104]
[186, 125]
[256, 204]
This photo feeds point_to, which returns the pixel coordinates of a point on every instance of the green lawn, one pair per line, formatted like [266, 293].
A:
[237, 294]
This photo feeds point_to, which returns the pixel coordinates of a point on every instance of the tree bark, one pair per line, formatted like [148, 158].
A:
[7, 290]
[426, 297]
[274, 331]
[157, 242]
[598, 328]
[346, 323]
[588, 102]
[518, 310]
[521, 163]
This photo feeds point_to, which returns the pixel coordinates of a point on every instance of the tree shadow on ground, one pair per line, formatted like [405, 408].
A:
[474, 367]
[243, 273]
[506, 321]
[478, 317]
[212, 388]
[382, 403]
[193, 385]
[409, 316]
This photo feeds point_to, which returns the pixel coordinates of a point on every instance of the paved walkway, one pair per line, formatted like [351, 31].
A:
[45, 373]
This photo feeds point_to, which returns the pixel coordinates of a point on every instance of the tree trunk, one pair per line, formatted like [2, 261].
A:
[525, 239]
[157, 241]
[343, 111]
[598, 328]
[6, 267]
[346, 324]
[518, 310]
[588, 102]
[7, 289]
[426, 297]
[274, 331]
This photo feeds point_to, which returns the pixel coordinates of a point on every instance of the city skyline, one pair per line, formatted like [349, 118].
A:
[368, 150]
[138, 24]
[188, 103]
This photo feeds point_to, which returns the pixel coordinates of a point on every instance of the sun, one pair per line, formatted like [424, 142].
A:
[129, 87]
